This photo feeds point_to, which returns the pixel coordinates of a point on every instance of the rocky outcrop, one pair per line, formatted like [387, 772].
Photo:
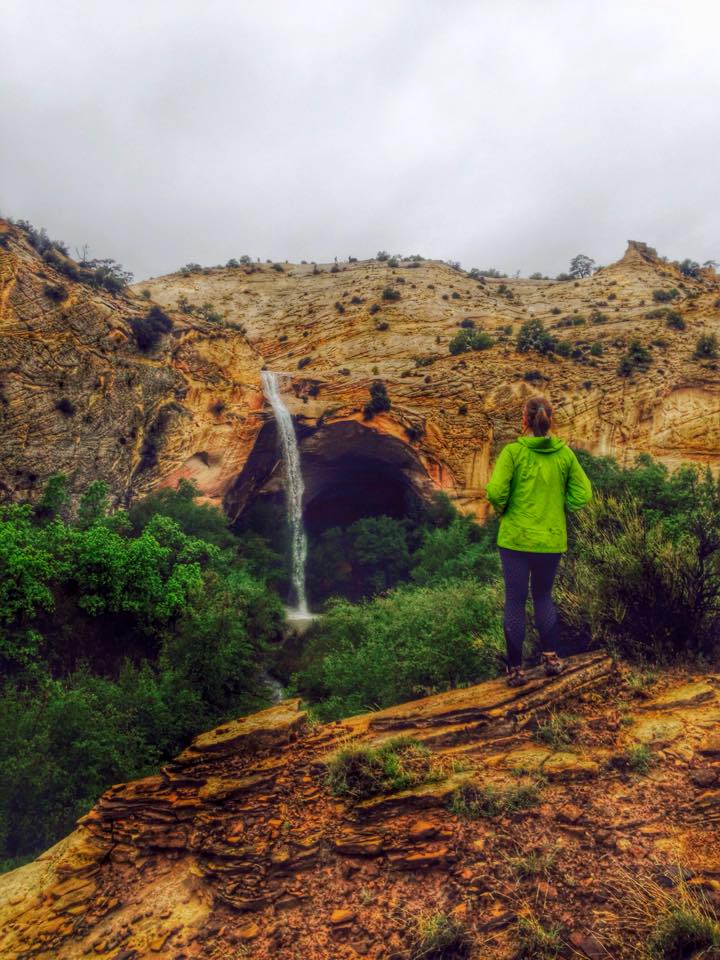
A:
[240, 840]
[78, 396]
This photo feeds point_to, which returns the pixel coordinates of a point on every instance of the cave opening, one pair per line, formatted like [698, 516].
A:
[352, 487]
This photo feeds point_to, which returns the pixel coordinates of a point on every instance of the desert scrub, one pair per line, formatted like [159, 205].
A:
[358, 771]
[665, 296]
[534, 336]
[558, 730]
[440, 937]
[636, 358]
[474, 802]
[706, 347]
[470, 339]
[379, 401]
[390, 294]
[536, 941]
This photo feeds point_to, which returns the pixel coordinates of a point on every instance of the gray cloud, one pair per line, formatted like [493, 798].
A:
[512, 134]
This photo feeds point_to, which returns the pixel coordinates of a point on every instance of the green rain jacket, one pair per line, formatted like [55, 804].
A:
[533, 482]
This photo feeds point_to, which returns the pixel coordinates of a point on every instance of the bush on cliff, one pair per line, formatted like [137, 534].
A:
[534, 336]
[379, 401]
[149, 329]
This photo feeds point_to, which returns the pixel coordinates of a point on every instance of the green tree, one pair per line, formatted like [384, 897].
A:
[581, 266]
[93, 504]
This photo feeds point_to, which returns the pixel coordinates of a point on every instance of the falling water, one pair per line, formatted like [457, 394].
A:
[293, 488]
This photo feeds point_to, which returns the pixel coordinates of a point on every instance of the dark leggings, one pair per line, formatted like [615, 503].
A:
[519, 567]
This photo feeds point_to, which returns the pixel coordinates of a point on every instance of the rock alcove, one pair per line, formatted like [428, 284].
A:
[350, 470]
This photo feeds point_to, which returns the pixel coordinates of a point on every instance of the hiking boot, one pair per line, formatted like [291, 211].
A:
[552, 664]
[516, 677]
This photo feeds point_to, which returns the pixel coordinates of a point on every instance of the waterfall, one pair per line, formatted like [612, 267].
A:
[293, 487]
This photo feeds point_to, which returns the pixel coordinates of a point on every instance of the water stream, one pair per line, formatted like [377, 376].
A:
[294, 489]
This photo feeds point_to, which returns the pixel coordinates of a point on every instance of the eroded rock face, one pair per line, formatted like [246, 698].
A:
[239, 840]
[193, 407]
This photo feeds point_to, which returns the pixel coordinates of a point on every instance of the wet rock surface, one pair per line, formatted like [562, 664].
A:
[239, 842]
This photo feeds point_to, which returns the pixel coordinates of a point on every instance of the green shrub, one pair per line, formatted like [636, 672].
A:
[644, 584]
[639, 758]
[534, 336]
[685, 931]
[706, 347]
[597, 316]
[461, 550]
[665, 296]
[596, 349]
[558, 730]
[636, 358]
[689, 268]
[390, 293]
[491, 273]
[470, 339]
[393, 648]
[120, 637]
[674, 320]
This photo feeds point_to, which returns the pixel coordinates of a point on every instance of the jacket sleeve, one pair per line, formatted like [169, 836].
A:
[498, 488]
[578, 491]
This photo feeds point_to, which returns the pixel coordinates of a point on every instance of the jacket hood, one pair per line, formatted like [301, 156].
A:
[548, 444]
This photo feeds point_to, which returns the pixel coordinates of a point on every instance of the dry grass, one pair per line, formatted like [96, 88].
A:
[666, 923]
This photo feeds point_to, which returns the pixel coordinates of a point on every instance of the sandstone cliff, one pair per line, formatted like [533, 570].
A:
[78, 395]
[239, 848]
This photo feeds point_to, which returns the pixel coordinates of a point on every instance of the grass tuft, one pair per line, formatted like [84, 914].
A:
[558, 731]
[537, 942]
[440, 937]
[473, 802]
[359, 772]
[640, 758]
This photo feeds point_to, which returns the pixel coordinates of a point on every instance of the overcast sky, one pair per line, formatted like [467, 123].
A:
[511, 134]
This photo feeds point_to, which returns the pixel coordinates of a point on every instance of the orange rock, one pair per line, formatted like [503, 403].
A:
[248, 932]
[422, 829]
[341, 917]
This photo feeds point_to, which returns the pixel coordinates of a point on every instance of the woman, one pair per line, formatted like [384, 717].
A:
[534, 480]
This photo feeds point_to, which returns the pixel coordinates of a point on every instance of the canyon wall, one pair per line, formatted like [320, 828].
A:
[79, 396]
